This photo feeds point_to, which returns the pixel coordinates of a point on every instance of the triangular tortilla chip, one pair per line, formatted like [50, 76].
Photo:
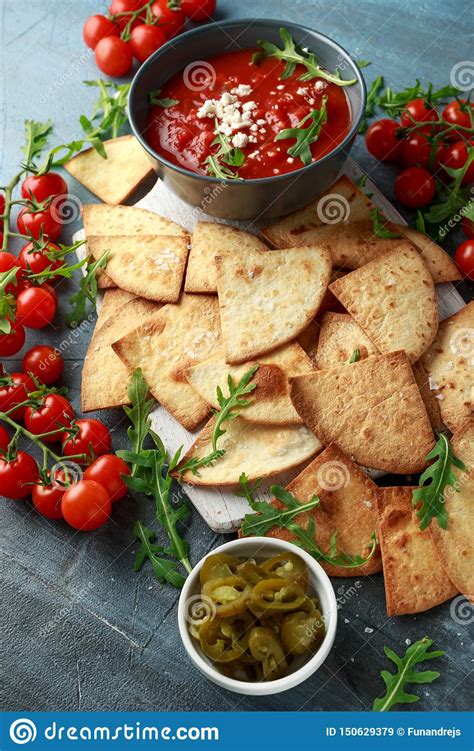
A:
[440, 264]
[177, 337]
[103, 219]
[455, 544]
[449, 363]
[150, 266]
[113, 301]
[347, 506]
[208, 240]
[257, 450]
[114, 179]
[428, 396]
[308, 339]
[267, 299]
[104, 376]
[393, 299]
[339, 337]
[270, 401]
[373, 410]
[411, 565]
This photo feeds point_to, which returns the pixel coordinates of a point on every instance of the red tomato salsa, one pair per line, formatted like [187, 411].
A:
[248, 105]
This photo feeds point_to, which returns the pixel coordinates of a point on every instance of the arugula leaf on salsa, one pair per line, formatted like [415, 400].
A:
[305, 136]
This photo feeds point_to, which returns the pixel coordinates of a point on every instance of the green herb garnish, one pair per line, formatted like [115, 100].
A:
[86, 293]
[381, 226]
[371, 102]
[227, 153]
[305, 136]
[355, 357]
[396, 682]
[439, 476]
[153, 98]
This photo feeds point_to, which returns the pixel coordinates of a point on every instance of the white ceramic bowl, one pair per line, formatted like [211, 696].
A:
[302, 667]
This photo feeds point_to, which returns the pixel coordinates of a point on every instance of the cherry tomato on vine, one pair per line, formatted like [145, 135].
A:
[455, 158]
[417, 152]
[96, 28]
[45, 363]
[86, 505]
[37, 261]
[36, 307]
[124, 6]
[4, 439]
[9, 261]
[382, 142]
[415, 187]
[41, 187]
[2, 204]
[53, 412]
[418, 111]
[93, 439]
[107, 471]
[32, 223]
[171, 20]
[145, 40]
[14, 389]
[468, 227]
[113, 56]
[11, 343]
[18, 476]
[464, 258]
[198, 10]
[47, 500]
[457, 113]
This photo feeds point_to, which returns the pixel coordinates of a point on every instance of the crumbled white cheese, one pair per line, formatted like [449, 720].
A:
[280, 87]
[240, 140]
[302, 90]
[243, 89]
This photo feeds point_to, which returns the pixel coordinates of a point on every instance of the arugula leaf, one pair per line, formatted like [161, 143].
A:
[227, 153]
[153, 98]
[305, 136]
[371, 102]
[380, 225]
[396, 683]
[267, 516]
[86, 293]
[218, 170]
[163, 568]
[363, 63]
[355, 357]
[138, 413]
[36, 136]
[290, 55]
[395, 102]
[439, 475]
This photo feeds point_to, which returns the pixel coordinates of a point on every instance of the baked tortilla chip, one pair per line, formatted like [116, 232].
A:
[113, 301]
[339, 338]
[440, 264]
[104, 376]
[449, 362]
[347, 506]
[393, 299]
[103, 219]
[267, 299]
[257, 450]
[411, 565]
[455, 543]
[373, 410]
[428, 396]
[270, 401]
[175, 338]
[209, 240]
[150, 266]
[308, 339]
[114, 179]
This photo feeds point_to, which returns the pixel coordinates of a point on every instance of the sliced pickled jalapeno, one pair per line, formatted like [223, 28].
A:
[287, 566]
[229, 594]
[251, 572]
[265, 646]
[301, 632]
[217, 566]
[278, 595]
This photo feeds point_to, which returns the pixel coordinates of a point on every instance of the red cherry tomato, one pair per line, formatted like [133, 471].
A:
[382, 142]
[18, 476]
[124, 6]
[457, 113]
[9, 261]
[171, 20]
[37, 261]
[54, 412]
[41, 187]
[4, 439]
[107, 471]
[93, 439]
[417, 152]
[86, 505]
[2, 203]
[468, 227]
[113, 56]
[11, 343]
[455, 158]
[35, 307]
[418, 111]
[198, 10]
[34, 222]
[145, 40]
[45, 363]
[14, 389]
[464, 258]
[415, 187]
[96, 28]
[47, 500]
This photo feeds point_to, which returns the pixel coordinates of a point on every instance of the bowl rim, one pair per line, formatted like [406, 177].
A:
[257, 180]
[281, 684]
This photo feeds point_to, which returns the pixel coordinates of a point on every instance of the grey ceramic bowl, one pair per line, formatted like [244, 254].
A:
[263, 198]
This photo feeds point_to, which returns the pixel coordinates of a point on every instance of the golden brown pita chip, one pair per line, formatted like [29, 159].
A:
[393, 299]
[428, 396]
[339, 338]
[308, 339]
[270, 401]
[267, 299]
[104, 376]
[113, 301]
[175, 338]
[258, 450]
[449, 362]
[150, 266]
[114, 179]
[455, 544]
[209, 239]
[441, 266]
[347, 506]
[103, 219]
[411, 565]
[373, 410]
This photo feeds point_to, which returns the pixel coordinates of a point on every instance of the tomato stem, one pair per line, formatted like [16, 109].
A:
[36, 439]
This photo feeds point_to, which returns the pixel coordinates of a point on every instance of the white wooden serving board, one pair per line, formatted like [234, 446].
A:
[221, 509]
